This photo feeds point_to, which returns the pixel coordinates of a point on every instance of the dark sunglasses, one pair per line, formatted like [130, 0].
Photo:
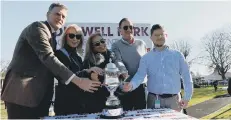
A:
[126, 27]
[99, 42]
[77, 36]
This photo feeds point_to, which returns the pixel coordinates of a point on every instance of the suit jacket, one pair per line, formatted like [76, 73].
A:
[30, 74]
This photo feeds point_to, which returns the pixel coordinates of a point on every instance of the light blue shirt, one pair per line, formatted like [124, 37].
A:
[164, 70]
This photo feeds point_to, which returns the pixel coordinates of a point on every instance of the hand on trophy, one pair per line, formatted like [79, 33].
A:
[94, 76]
[86, 84]
[127, 86]
[124, 76]
[96, 70]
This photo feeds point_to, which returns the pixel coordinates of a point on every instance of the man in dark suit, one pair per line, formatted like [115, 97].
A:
[28, 86]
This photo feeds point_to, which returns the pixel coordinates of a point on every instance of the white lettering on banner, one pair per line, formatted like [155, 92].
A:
[110, 32]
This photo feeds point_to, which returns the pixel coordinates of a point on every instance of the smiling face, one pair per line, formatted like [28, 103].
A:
[57, 17]
[158, 37]
[126, 30]
[73, 37]
[99, 44]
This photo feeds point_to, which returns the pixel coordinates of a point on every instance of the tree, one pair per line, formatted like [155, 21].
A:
[183, 46]
[4, 65]
[217, 46]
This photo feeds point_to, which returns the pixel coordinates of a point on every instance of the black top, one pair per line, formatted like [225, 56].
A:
[97, 100]
[69, 99]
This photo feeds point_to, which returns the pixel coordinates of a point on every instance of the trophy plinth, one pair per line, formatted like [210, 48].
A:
[113, 109]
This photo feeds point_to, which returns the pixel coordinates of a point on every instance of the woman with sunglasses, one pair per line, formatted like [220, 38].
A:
[96, 54]
[69, 98]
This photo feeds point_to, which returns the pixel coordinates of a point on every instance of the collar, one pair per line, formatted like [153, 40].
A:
[52, 29]
[124, 41]
[165, 48]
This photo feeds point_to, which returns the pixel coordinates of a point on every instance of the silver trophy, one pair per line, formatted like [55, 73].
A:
[113, 109]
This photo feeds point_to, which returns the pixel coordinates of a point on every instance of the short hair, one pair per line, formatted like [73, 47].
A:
[53, 5]
[122, 20]
[155, 27]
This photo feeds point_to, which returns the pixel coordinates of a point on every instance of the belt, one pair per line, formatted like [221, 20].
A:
[164, 95]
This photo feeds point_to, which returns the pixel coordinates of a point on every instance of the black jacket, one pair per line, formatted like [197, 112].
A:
[97, 100]
[69, 99]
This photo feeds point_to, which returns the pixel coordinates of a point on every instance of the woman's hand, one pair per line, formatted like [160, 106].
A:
[97, 70]
[94, 76]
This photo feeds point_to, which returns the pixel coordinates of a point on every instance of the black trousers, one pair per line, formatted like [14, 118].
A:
[16, 111]
[134, 100]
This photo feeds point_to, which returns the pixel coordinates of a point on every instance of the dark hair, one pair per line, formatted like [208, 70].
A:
[155, 27]
[124, 19]
[53, 5]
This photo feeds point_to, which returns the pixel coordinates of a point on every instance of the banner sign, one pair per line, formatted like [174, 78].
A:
[110, 32]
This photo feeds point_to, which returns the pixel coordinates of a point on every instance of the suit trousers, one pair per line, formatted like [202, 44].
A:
[16, 111]
[135, 99]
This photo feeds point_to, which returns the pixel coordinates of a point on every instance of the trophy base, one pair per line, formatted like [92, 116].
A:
[112, 112]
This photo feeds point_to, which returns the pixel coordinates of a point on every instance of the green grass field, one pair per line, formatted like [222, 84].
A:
[203, 94]
[3, 111]
[223, 113]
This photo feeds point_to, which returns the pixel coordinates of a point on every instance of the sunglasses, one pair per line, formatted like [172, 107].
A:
[126, 27]
[77, 36]
[99, 42]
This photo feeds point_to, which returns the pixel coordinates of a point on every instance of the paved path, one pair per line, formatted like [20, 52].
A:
[208, 107]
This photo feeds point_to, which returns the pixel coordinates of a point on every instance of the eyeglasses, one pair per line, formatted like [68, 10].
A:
[126, 27]
[161, 35]
[77, 36]
[97, 43]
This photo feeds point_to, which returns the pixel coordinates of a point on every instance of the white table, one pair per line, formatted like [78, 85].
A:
[135, 115]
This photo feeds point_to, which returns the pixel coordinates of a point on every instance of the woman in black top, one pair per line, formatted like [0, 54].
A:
[96, 55]
[69, 99]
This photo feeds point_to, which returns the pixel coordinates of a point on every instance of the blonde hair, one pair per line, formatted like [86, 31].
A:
[89, 55]
[79, 49]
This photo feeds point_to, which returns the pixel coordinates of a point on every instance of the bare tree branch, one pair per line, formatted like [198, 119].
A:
[4, 65]
[183, 46]
[217, 45]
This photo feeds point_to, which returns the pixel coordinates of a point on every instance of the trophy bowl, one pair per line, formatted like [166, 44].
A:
[113, 108]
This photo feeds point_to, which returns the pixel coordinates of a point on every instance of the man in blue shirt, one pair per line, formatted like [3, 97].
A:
[164, 68]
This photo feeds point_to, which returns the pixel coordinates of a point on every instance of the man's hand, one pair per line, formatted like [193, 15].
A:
[183, 103]
[94, 76]
[127, 87]
[96, 70]
[125, 75]
[86, 84]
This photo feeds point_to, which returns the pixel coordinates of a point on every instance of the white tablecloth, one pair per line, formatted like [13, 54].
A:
[138, 114]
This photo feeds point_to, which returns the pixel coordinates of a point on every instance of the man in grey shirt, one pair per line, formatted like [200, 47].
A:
[128, 52]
